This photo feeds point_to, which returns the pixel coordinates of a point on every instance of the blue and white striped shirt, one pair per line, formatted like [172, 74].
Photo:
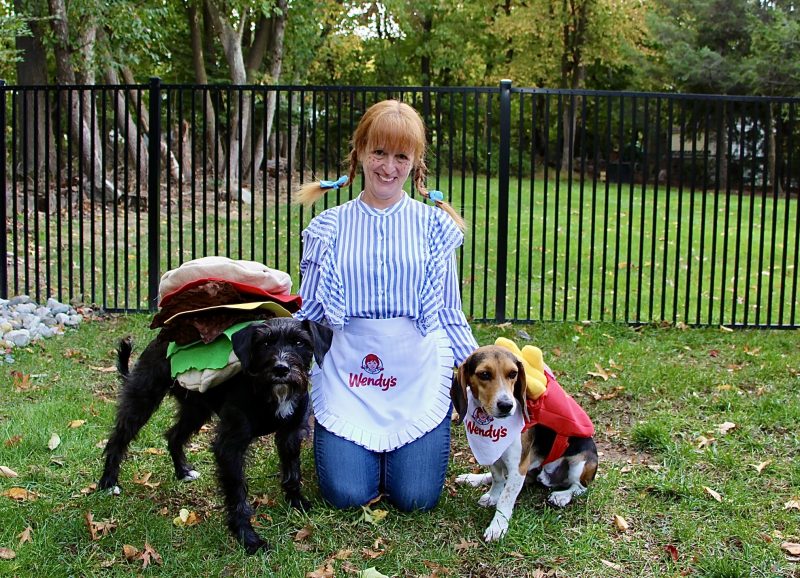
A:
[363, 262]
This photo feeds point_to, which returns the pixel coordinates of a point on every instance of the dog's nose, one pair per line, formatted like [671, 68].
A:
[281, 369]
[504, 406]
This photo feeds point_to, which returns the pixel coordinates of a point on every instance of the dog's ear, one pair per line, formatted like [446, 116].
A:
[321, 337]
[521, 390]
[245, 342]
[458, 392]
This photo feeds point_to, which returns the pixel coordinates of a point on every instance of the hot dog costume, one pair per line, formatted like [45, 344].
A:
[547, 404]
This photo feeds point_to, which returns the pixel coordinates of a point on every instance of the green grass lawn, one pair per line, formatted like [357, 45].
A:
[697, 431]
[576, 250]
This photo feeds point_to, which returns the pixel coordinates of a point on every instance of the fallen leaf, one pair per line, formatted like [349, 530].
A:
[144, 480]
[371, 573]
[7, 473]
[373, 516]
[343, 554]
[791, 547]
[465, 545]
[20, 494]
[90, 489]
[724, 428]
[793, 504]
[99, 529]
[109, 369]
[704, 442]
[599, 373]
[7, 554]
[303, 533]
[672, 551]
[130, 552]
[324, 571]
[22, 381]
[154, 451]
[76, 423]
[371, 554]
[54, 442]
[713, 494]
[12, 441]
[620, 523]
[186, 518]
[26, 536]
[760, 467]
[611, 564]
[150, 555]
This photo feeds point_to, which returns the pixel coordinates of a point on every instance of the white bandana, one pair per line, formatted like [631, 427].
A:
[489, 436]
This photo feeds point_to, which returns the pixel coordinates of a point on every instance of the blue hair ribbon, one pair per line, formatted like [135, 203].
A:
[337, 184]
[435, 196]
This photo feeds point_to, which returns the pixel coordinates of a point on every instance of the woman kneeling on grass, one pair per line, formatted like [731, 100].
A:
[381, 271]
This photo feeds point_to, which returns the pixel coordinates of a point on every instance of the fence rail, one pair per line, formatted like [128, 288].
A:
[580, 205]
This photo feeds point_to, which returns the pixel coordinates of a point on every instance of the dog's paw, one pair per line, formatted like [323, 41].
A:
[114, 490]
[190, 476]
[254, 543]
[487, 500]
[300, 503]
[544, 479]
[560, 499]
[497, 529]
[474, 480]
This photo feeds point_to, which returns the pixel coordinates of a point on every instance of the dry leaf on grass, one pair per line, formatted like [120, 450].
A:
[371, 573]
[791, 548]
[26, 536]
[713, 494]
[611, 564]
[324, 571]
[54, 442]
[20, 494]
[186, 518]
[465, 545]
[303, 533]
[672, 551]
[76, 423]
[12, 441]
[7, 472]
[793, 504]
[620, 523]
[109, 369]
[7, 554]
[760, 467]
[98, 529]
[725, 427]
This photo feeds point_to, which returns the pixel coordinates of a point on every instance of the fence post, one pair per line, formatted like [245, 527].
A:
[3, 206]
[502, 205]
[154, 195]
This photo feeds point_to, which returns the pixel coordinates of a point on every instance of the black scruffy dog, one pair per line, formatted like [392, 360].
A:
[269, 395]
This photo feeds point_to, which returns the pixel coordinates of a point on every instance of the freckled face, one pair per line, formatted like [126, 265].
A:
[386, 170]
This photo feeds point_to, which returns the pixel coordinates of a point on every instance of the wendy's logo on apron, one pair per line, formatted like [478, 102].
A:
[372, 364]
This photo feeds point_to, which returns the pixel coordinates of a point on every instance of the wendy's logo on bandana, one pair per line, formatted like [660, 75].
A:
[480, 416]
[372, 364]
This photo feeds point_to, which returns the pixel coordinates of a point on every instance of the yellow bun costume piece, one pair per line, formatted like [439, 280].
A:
[531, 358]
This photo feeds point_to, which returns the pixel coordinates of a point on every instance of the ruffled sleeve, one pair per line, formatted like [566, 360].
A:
[441, 299]
[321, 288]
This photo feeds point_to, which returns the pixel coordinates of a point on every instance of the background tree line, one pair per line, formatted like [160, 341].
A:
[709, 46]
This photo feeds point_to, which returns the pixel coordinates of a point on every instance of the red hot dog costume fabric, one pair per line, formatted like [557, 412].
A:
[489, 437]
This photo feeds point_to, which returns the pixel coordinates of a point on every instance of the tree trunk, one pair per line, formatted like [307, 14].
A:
[278, 28]
[128, 129]
[36, 133]
[198, 60]
[74, 101]
[231, 40]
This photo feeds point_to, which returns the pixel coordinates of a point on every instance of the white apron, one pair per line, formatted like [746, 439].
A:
[489, 436]
[382, 384]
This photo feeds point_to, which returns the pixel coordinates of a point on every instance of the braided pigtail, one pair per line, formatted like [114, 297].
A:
[436, 197]
[312, 192]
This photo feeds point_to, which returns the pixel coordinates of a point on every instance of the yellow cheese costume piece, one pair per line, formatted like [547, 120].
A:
[531, 358]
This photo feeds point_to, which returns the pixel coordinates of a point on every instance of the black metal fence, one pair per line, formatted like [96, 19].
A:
[581, 205]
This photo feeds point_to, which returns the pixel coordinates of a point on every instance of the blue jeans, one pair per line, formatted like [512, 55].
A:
[410, 477]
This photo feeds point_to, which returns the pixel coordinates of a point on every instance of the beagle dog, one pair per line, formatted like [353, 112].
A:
[516, 436]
